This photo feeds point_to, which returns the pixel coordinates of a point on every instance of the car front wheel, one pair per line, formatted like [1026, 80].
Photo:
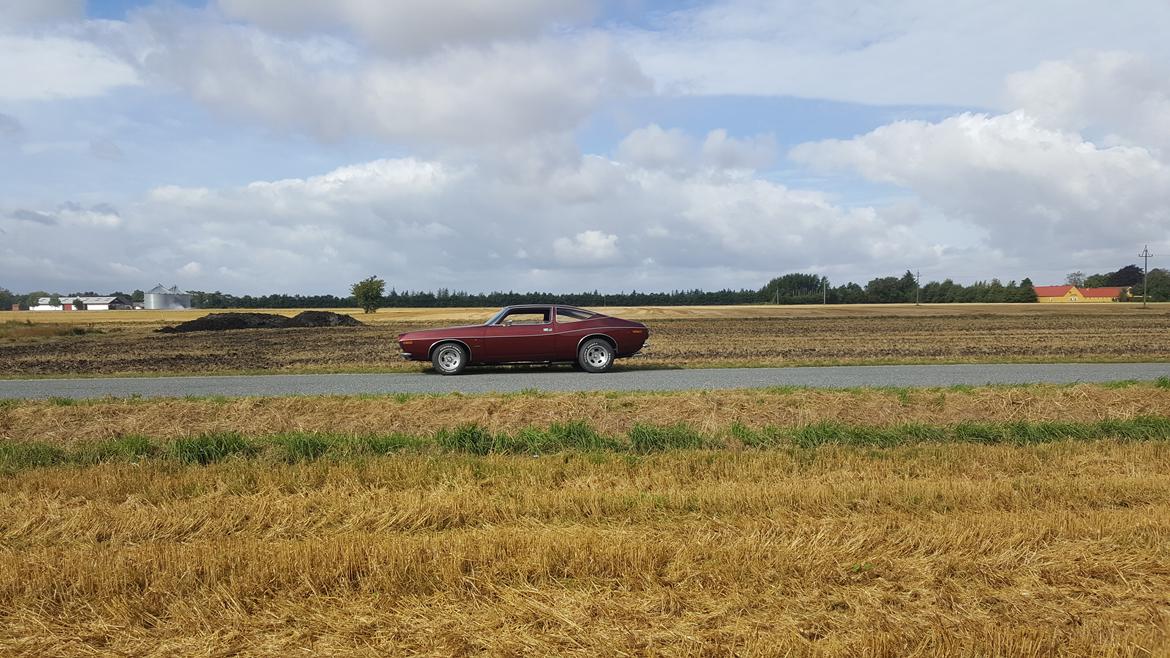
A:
[595, 355]
[449, 359]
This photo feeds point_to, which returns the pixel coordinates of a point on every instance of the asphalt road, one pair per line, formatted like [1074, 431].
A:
[504, 380]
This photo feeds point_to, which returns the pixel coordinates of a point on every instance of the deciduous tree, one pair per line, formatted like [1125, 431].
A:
[368, 293]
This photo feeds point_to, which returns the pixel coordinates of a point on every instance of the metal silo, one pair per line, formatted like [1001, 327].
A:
[160, 298]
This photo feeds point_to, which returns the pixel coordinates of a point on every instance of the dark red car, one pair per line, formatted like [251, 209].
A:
[532, 333]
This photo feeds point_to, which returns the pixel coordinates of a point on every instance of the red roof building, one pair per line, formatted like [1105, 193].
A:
[1051, 294]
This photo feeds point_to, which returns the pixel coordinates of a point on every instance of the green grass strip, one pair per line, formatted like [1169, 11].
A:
[574, 436]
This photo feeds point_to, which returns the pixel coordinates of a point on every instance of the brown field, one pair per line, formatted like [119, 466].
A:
[1061, 549]
[1049, 549]
[122, 342]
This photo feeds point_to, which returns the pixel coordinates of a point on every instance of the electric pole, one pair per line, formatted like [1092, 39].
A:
[1145, 274]
[917, 287]
[824, 290]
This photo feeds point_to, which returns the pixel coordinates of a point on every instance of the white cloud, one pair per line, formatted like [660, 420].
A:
[191, 269]
[18, 13]
[730, 153]
[1024, 184]
[412, 26]
[656, 148]
[124, 270]
[425, 224]
[55, 67]
[1122, 96]
[101, 215]
[893, 52]
[495, 93]
[587, 247]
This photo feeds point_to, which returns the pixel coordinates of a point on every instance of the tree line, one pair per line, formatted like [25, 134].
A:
[814, 289]
[1130, 276]
[793, 288]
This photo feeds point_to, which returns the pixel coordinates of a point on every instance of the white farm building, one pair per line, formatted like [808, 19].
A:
[80, 304]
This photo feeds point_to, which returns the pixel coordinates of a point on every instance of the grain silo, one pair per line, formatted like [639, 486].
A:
[160, 298]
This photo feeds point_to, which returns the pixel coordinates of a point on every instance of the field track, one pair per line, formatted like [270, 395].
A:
[561, 380]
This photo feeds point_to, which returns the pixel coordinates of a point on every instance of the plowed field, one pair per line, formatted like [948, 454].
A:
[759, 336]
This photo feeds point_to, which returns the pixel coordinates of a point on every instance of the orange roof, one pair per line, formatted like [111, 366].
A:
[1102, 292]
[1052, 291]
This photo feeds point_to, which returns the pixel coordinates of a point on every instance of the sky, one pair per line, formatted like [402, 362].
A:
[297, 146]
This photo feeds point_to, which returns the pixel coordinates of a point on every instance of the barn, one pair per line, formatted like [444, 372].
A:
[80, 304]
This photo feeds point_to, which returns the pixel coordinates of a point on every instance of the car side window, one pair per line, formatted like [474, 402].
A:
[567, 315]
[525, 316]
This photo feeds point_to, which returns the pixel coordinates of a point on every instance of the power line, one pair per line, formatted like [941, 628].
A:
[1146, 255]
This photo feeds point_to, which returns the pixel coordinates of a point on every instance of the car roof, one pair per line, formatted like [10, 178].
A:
[549, 306]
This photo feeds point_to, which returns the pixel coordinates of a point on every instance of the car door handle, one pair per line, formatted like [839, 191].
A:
[547, 329]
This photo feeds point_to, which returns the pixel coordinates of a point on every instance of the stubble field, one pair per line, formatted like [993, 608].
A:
[1024, 521]
[124, 342]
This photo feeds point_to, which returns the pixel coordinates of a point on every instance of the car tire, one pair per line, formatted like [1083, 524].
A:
[449, 359]
[595, 355]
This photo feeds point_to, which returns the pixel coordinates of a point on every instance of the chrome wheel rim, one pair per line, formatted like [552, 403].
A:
[449, 358]
[596, 356]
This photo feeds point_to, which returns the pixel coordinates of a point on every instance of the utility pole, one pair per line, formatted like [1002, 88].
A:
[917, 287]
[1145, 274]
[824, 290]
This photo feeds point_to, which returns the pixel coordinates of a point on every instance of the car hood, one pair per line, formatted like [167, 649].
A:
[440, 332]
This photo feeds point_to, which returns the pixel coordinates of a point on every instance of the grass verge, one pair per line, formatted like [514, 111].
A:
[574, 436]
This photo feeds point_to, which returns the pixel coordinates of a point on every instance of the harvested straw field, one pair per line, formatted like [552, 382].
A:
[1029, 521]
[123, 342]
[1057, 549]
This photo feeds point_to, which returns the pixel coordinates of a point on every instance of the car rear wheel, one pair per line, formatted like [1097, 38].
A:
[449, 359]
[595, 355]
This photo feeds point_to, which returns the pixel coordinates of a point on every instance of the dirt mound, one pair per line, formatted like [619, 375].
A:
[230, 321]
[322, 319]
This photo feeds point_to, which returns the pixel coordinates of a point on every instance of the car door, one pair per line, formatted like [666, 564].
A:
[524, 334]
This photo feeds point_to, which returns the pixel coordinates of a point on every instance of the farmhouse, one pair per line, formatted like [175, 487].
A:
[80, 304]
[1069, 294]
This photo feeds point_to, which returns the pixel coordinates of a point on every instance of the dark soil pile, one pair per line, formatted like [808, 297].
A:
[230, 321]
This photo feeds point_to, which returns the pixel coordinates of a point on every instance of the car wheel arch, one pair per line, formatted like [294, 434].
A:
[456, 341]
[606, 337]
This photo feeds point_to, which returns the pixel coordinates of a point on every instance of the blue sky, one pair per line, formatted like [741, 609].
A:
[260, 145]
